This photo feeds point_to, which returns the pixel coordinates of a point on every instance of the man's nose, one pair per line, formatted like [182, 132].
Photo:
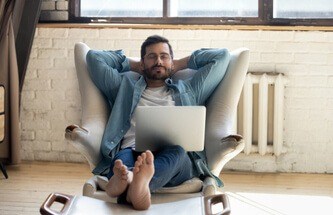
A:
[158, 60]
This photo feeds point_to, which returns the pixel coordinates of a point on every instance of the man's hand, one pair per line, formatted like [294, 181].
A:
[135, 65]
[180, 64]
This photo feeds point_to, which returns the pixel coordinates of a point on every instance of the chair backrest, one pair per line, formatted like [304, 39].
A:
[221, 106]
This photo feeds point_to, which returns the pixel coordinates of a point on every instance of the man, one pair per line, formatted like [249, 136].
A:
[132, 175]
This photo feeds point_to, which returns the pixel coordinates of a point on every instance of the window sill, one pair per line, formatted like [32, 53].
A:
[186, 27]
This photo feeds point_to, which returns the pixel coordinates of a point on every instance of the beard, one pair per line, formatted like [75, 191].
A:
[149, 73]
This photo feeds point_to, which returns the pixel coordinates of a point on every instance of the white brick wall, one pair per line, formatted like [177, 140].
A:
[51, 101]
[54, 10]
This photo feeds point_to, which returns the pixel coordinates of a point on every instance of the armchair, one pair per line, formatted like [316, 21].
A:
[220, 145]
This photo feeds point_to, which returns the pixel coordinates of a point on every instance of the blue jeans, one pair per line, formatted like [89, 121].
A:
[172, 166]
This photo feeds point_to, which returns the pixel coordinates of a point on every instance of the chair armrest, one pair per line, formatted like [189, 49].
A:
[86, 143]
[95, 111]
[209, 186]
[193, 185]
[222, 109]
[72, 130]
[90, 187]
[228, 148]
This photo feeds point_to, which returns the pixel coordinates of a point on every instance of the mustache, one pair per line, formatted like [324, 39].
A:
[158, 66]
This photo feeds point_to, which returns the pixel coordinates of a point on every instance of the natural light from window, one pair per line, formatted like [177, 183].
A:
[279, 203]
[183, 8]
[307, 9]
[214, 8]
[247, 12]
[123, 8]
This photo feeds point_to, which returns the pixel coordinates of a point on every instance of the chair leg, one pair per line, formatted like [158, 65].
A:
[3, 170]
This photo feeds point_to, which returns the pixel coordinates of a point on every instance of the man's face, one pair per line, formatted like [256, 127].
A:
[157, 64]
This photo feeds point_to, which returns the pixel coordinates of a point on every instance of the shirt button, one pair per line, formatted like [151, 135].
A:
[112, 142]
[122, 131]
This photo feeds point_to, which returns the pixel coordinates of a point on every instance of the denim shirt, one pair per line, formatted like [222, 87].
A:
[108, 70]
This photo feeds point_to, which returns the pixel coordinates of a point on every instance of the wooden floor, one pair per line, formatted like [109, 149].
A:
[29, 184]
[279, 193]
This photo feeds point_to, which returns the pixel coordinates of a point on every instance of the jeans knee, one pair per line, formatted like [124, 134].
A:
[174, 153]
[180, 151]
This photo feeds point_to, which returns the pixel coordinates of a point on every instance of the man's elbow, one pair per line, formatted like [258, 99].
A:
[223, 56]
[91, 57]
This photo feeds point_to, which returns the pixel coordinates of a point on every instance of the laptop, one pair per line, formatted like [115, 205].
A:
[158, 126]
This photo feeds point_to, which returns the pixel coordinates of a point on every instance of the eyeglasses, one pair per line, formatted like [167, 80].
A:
[154, 57]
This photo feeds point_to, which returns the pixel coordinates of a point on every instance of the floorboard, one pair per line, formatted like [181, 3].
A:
[30, 183]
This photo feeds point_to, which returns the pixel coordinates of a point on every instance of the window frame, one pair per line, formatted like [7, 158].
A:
[265, 17]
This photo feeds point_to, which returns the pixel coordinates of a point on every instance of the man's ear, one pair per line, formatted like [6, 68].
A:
[173, 66]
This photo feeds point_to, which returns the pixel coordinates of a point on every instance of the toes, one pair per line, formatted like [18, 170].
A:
[120, 169]
[144, 156]
[139, 161]
[140, 158]
[149, 157]
[124, 176]
[118, 163]
[123, 170]
[136, 169]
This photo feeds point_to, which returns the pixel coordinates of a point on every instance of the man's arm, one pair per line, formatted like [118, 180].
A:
[135, 65]
[211, 65]
[104, 68]
[180, 64]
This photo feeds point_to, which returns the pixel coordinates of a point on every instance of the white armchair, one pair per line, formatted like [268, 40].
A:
[220, 143]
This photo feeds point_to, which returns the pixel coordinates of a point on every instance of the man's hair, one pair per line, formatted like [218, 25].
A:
[154, 40]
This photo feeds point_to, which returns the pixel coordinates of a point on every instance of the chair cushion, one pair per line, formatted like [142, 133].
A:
[193, 185]
[190, 186]
[102, 181]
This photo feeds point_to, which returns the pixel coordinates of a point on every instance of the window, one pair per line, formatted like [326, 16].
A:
[214, 8]
[183, 8]
[123, 8]
[308, 9]
[208, 12]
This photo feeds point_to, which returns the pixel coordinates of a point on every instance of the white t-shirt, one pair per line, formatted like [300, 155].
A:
[159, 96]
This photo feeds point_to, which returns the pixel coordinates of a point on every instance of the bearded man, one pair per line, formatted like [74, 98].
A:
[133, 175]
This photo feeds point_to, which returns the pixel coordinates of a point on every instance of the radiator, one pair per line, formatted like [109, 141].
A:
[259, 118]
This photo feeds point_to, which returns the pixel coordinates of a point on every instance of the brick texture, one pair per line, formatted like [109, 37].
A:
[56, 10]
[51, 99]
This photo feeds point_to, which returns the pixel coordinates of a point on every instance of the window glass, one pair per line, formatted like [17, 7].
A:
[214, 8]
[123, 8]
[303, 9]
[2, 113]
[202, 12]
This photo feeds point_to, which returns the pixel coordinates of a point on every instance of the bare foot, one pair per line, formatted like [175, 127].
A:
[138, 191]
[120, 180]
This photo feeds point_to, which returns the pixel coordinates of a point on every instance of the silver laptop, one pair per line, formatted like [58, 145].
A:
[157, 126]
